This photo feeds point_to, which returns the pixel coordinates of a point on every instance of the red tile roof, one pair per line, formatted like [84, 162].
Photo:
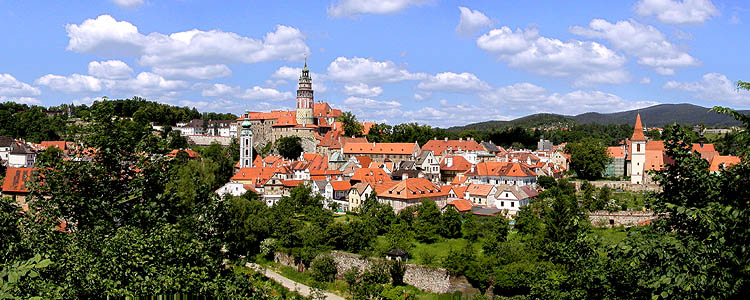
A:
[341, 185]
[638, 130]
[726, 161]
[439, 146]
[461, 205]
[15, 179]
[364, 161]
[654, 160]
[381, 148]
[458, 163]
[493, 168]
[258, 176]
[410, 188]
[62, 145]
[480, 189]
[616, 152]
[371, 175]
[190, 153]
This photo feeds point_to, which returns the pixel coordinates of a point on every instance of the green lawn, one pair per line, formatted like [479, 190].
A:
[439, 249]
[611, 236]
[631, 200]
[344, 218]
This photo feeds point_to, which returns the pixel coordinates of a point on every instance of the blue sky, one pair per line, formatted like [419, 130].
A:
[436, 62]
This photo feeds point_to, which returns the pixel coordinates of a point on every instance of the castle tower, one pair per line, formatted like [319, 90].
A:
[246, 143]
[637, 153]
[305, 98]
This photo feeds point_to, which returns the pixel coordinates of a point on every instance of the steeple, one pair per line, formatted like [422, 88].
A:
[638, 130]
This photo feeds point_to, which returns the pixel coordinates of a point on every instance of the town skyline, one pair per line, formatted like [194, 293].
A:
[449, 63]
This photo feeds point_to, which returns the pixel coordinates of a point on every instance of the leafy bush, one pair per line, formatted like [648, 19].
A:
[324, 268]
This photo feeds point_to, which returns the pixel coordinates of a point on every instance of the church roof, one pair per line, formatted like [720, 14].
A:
[638, 130]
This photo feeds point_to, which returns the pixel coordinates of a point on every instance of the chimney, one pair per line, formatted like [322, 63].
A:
[472, 168]
[446, 139]
[449, 162]
[460, 139]
[373, 144]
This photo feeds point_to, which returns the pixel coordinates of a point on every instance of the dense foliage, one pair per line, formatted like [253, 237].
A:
[588, 158]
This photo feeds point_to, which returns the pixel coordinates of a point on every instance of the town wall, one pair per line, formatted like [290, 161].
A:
[622, 185]
[626, 218]
[429, 279]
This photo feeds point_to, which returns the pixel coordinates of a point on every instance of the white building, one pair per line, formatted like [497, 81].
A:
[21, 156]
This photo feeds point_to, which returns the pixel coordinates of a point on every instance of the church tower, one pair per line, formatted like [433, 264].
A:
[246, 143]
[637, 153]
[305, 98]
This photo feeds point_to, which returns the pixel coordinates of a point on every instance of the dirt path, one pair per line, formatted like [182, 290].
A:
[302, 289]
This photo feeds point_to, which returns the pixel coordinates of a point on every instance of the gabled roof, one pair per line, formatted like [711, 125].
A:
[638, 130]
[459, 179]
[412, 188]
[654, 160]
[519, 193]
[364, 161]
[461, 205]
[190, 153]
[380, 148]
[726, 161]
[458, 163]
[439, 146]
[360, 187]
[423, 156]
[493, 168]
[371, 175]
[337, 157]
[62, 145]
[480, 189]
[20, 148]
[341, 185]
[616, 152]
[6, 141]
[258, 176]
[15, 179]
[292, 183]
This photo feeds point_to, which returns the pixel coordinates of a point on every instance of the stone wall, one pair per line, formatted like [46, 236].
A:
[429, 279]
[625, 218]
[622, 185]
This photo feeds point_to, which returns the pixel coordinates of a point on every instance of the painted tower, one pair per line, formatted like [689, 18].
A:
[305, 98]
[246, 143]
[637, 153]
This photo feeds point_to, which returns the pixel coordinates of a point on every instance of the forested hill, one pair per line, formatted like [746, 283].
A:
[654, 116]
[663, 114]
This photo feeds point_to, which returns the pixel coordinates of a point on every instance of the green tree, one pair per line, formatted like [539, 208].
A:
[352, 127]
[324, 268]
[497, 233]
[450, 223]
[470, 228]
[588, 158]
[545, 181]
[290, 147]
[399, 236]
[427, 221]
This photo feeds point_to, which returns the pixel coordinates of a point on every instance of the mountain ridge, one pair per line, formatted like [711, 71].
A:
[653, 116]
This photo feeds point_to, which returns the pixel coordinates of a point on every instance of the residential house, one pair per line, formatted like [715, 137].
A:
[405, 193]
[481, 194]
[396, 152]
[14, 184]
[429, 165]
[21, 156]
[461, 205]
[502, 173]
[467, 148]
[358, 194]
[370, 175]
[6, 144]
[452, 165]
[235, 189]
[512, 197]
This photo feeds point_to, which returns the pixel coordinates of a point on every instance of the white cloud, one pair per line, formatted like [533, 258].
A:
[589, 62]
[359, 102]
[292, 74]
[735, 20]
[362, 89]
[128, 3]
[254, 93]
[10, 86]
[643, 41]
[471, 21]
[195, 50]
[714, 87]
[105, 36]
[75, 83]
[353, 8]
[199, 72]
[147, 85]
[21, 100]
[453, 82]
[677, 12]
[529, 98]
[87, 100]
[111, 69]
[369, 71]
[645, 80]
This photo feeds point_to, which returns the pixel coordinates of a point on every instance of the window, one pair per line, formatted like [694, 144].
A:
[638, 147]
[502, 203]
[512, 203]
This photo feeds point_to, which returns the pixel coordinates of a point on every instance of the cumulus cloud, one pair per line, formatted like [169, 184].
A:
[198, 72]
[254, 93]
[21, 100]
[643, 41]
[645, 80]
[205, 52]
[676, 11]
[10, 86]
[587, 62]
[526, 97]
[285, 73]
[714, 87]
[453, 82]
[128, 3]
[75, 83]
[110, 69]
[369, 71]
[359, 102]
[362, 89]
[471, 21]
[353, 8]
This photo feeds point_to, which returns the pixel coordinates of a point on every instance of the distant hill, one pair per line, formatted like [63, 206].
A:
[654, 116]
